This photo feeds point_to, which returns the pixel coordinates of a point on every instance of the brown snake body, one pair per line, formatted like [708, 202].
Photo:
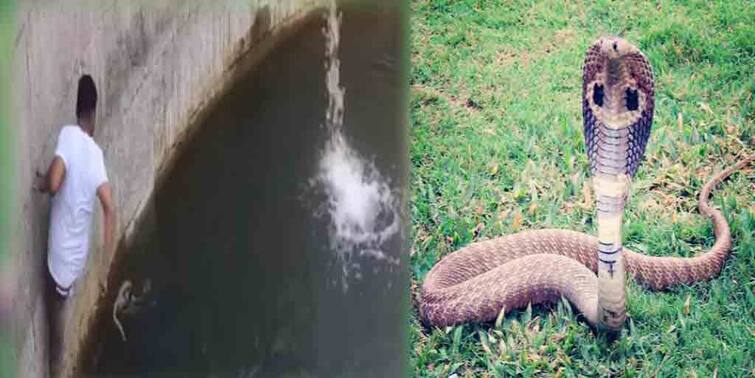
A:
[475, 283]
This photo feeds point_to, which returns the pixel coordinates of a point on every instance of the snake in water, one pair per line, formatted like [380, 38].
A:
[126, 302]
[476, 282]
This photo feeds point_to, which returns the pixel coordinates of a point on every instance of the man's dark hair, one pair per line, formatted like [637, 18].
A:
[86, 101]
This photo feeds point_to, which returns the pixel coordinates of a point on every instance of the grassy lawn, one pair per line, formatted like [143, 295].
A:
[496, 147]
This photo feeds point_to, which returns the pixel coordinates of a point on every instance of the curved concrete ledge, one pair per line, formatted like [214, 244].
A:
[158, 68]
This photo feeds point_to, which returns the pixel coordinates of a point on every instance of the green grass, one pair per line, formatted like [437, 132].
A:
[496, 147]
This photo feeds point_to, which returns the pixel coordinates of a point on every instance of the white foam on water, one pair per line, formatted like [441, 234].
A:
[361, 205]
[360, 202]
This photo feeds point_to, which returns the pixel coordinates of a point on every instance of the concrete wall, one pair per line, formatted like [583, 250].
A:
[157, 68]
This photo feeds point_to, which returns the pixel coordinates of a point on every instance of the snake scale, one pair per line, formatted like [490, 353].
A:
[476, 282]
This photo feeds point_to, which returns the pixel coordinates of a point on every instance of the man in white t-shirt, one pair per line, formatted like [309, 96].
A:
[76, 176]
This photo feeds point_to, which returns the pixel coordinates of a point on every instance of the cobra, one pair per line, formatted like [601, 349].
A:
[477, 282]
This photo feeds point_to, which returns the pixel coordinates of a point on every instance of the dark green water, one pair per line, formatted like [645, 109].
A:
[238, 250]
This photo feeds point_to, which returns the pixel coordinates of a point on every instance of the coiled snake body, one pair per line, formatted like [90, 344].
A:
[476, 282]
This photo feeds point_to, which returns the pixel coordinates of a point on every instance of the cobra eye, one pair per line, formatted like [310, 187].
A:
[597, 94]
[633, 100]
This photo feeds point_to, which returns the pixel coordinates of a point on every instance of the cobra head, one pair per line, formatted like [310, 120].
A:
[617, 106]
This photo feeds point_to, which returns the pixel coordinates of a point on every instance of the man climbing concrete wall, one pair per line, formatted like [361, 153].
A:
[76, 175]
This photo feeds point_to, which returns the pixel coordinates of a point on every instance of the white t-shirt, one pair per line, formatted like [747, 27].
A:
[73, 204]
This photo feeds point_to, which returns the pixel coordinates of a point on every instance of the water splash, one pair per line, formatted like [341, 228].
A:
[362, 207]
